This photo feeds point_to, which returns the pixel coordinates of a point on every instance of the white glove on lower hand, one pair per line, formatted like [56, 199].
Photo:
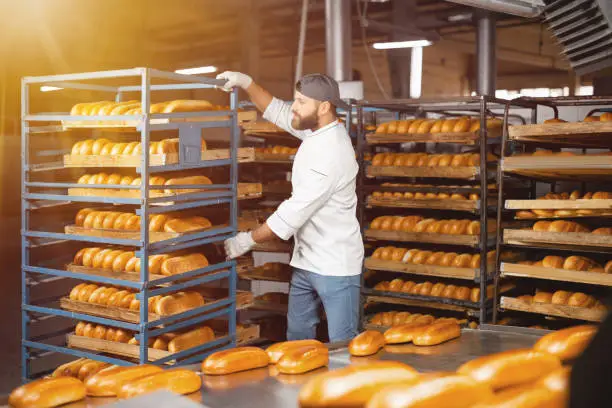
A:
[235, 79]
[238, 245]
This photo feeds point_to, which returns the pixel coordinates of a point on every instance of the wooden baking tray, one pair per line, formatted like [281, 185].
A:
[547, 309]
[273, 158]
[579, 168]
[431, 304]
[259, 273]
[264, 306]
[245, 335]
[467, 240]
[434, 204]
[154, 236]
[246, 191]
[558, 204]
[425, 270]
[245, 154]
[132, 125]
[277, 188]
[133, 316]
[574, 133]
[466, 138]
[554, 274]
[465, 173]
[529, 237]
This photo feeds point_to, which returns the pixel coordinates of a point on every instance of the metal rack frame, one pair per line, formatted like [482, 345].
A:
[189, 136]
[535, 103]
[458, 106]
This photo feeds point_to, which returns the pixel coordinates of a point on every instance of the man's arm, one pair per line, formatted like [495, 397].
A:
[259, 96]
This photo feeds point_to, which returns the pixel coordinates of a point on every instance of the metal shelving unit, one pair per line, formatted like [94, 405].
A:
[481, 180]
[44, 246]
[554, 174]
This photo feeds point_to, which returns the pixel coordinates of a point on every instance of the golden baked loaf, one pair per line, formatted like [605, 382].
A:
[176, 380]
[366, 343]
[235, 360]
[299, 360]
[567, 344]
[47, 392]
[510, 368]
[278, 350]
[108, 382]
[354, 385]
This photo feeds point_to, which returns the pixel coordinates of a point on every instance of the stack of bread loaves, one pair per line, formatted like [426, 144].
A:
[395, 318]
[571, 263]
[416, 223]
[563, 297]
[117, 179]
[105, 147]
[422, 126]
[283, 150]
[574, 195]
[133, 107]
[119, 260]
[432, 289]
[429, 160]
[90, 218]
[420, 257]
[425, 196]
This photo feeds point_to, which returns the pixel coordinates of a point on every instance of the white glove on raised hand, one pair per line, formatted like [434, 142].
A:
[235, 79]
[238, 245]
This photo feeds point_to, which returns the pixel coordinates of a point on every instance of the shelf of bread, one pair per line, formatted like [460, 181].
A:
[246, 191]
[277, 187]
[465, 190]
[275, 154]
[554, 310]
[245, 155]
[433, 201]
[244, 335]
[385, 320]
[124, 225]
[564, 165]
[262, 128]
[124, 264]
[121, 304]
[555, 274]
[433, 238]
[590, 133]
[465, 173]
[554, 237]
[564, 205]
[271, 271]
[464, 130]
[411, 300]
[424, 270]
[134, 107]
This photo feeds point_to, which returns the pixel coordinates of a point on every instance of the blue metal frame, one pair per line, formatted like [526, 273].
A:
[145, 206]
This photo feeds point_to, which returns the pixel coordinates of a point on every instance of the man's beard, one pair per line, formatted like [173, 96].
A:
[305, 123]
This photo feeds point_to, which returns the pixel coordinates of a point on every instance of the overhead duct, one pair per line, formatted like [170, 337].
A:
[521, 8]
[583, 29]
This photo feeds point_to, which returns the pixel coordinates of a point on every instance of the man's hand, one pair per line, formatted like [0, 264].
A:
[239, 245]
[235, 79]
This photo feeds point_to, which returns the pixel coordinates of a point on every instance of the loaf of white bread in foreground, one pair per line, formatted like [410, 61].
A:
[120, 260]
[443, 125]
[565, 298]
[416, 223]
[118, 179]
[571, 263]
[437, 289]
[162, 305]
[90, 218]
[429, 160]
[105, 147]
[423, 257]
[568, 226]
[425, 196]
[134, 107]
[172, 342]
[282, 150]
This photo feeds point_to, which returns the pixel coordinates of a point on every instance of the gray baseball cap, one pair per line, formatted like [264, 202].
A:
[322, 88]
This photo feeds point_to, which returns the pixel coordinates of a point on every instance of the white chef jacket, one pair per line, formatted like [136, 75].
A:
[321, 212]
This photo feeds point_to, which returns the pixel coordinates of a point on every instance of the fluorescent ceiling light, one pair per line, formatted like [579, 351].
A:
[401, 44]
[49, 88]
[209, 69]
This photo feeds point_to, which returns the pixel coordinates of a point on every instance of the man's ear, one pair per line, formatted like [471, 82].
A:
[324, 108]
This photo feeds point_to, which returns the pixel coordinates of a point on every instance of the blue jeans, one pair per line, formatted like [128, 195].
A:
[340, 297]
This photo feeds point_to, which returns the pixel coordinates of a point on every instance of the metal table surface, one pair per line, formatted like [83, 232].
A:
[266, 388]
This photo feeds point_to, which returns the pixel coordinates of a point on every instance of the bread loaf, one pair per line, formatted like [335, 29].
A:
[354, 385]
[107, 382]
[190, 339]
[177, 380]
[437, 333]
[178, 303]
[366, 343]
[276, 351]
[49, 392]
[510, 368]
[567, 344]
[405, 333]
[432, 390]
[299, 360]
[235, 360]
[89, 368]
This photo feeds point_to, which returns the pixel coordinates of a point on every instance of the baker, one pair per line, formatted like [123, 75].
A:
[320, 214]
